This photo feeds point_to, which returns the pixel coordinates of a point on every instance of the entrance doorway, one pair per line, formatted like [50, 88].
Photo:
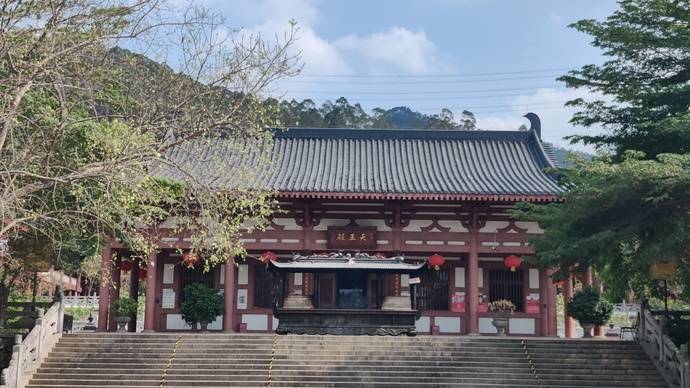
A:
[352, 290]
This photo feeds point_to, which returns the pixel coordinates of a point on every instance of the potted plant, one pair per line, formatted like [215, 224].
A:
[202, 304]
[124, 308]
[503, 309]
[588, 308]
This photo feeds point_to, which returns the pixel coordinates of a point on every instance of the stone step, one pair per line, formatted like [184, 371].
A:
[202, 380]
[326, 383]
[316, 353]
[488, 363]
[307, 373]
[244, 368]
[261, 370]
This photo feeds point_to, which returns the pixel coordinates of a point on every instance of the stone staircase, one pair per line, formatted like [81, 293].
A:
[261, 360]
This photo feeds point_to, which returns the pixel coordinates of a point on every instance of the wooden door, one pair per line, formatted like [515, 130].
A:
[327, 291]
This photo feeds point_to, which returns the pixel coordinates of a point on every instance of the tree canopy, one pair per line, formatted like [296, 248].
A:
[343, 114]
[629, 206]
[645, 85]
[81, 124]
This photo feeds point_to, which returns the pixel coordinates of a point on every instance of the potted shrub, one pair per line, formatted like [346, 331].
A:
[201, 305]
[588, 308]
[124, 308]
[503, 309]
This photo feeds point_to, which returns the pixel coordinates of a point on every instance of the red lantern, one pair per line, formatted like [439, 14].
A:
[142, 273]
[268, 256]
[512, 262]
[560, 283]
[126, 265]
[436, 261]
[190, 260]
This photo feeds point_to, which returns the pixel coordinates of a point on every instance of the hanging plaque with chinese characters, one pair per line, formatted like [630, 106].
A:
[351, 237]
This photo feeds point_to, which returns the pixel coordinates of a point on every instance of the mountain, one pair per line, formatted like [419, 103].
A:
[306, 113]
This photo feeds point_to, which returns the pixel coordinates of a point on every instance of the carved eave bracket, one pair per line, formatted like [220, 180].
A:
[435, 225]
[474, 220]
[307, 215]
[512, 228]
[397, 214]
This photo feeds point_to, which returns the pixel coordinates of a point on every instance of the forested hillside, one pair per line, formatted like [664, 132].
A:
[339, 114]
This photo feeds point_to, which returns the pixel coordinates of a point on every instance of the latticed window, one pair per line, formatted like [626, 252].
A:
[262, 288]
[506, 284]
[432, 292]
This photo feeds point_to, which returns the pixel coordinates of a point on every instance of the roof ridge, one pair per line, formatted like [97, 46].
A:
[400, 133]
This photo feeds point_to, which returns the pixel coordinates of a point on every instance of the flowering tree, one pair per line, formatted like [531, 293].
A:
[85, 124]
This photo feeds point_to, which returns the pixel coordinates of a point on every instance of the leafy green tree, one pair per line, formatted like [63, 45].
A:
[630, 206]
[618, 218]
[85, 127]
[444, 120]
[646, 81]
[467, 121]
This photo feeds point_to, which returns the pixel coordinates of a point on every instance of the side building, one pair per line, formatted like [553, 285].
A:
[376, 223]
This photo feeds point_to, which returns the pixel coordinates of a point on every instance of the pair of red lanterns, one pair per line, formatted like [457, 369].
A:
[512, 262]
[128, 265]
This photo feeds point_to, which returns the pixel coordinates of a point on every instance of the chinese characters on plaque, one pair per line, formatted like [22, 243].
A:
[351, 237]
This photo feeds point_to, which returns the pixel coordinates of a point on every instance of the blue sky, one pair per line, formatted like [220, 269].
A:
[497, 58]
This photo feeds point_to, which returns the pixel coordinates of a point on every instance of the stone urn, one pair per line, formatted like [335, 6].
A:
[587, 328]
[501, 324]
[204, 327]
[122, 322]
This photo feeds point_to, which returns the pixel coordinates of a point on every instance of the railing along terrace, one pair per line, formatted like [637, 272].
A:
[28, 353]
[662, 350]
[81, 301]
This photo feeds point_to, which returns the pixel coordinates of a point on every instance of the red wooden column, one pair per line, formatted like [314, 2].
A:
[134, 294]
[114, 292]
[544, 302]
[552, 304]
[104, 290]
[567, 296]
[151, 292]
[229, 314]
[473, 283]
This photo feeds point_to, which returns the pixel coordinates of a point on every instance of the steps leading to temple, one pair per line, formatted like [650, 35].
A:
[249, 360]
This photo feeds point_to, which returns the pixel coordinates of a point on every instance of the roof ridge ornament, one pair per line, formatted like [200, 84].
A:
[534, 123]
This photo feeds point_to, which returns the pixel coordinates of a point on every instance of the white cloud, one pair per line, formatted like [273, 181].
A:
[317, 54]
[548, 104]
[396, 49]
[410, 51]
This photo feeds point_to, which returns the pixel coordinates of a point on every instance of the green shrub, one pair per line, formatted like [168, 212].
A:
[78, 312]
[202, 304]
[124, 306]
[587, 306]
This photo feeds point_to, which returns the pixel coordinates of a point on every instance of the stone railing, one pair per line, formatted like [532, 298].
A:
[81, 301]
[28, 353]
[673, 361]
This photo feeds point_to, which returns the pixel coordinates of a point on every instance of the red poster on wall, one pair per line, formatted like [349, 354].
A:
[532, 304]
[458, 302]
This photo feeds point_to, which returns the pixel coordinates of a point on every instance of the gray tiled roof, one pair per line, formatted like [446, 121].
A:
[440, 164]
